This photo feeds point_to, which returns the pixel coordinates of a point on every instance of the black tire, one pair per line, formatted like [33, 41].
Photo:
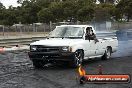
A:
[82, 80]
[38, 63]
[107, 54]
[77, 59]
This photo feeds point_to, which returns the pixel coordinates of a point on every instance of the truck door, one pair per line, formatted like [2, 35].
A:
[100, 47]
[90, 45]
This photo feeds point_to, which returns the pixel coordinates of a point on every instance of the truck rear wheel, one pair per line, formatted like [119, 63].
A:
[38, 63]
[77, 58]
[107, 54]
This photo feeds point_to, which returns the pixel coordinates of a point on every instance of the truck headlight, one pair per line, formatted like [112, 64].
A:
[33, 48]
[65, 49]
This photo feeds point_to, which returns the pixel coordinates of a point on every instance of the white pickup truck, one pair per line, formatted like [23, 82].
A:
[69, 44]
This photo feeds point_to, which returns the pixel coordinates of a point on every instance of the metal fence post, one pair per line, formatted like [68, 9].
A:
[50, 25]
[3, 30]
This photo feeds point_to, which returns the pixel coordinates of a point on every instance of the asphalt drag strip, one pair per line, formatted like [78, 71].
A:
[17, 72]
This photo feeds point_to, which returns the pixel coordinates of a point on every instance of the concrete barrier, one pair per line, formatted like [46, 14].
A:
[17, 41]
[14, 48]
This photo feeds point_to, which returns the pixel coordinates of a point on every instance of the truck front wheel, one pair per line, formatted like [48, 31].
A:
[77, 58]
[107, 54]
[38, 63]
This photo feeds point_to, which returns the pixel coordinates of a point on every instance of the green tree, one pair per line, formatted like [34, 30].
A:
[9, 17]
[45, 15]
[57, 10]
[2, 9]
[104, 11]
[124, 8]
[32, 11]
[28, 12]
[86, 13]
[43, 3]
[86, 10]
[70, 9]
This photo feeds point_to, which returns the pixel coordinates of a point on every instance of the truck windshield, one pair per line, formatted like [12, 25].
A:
[67, 32]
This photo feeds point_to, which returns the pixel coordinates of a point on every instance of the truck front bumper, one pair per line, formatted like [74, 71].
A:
[63, 56]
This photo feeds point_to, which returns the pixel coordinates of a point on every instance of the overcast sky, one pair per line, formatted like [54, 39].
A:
[9, 2]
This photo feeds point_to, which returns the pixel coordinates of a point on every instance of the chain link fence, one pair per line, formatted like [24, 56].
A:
[41, 30]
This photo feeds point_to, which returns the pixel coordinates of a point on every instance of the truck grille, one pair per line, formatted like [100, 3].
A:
[47, 49]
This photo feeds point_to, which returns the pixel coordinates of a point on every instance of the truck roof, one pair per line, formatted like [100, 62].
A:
[76, 25]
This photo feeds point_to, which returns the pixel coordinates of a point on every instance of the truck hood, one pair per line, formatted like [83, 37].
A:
[57, 42]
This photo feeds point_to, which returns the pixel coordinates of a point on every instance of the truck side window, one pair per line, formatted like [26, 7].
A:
[93, 36]
[87, 35]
